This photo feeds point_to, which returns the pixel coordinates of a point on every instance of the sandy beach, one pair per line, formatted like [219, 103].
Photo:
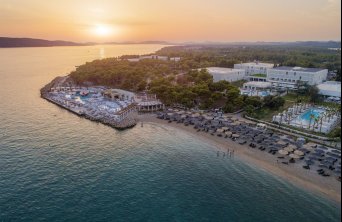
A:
[307, 179]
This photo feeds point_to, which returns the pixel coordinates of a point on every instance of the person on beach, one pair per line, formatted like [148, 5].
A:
[218, 153]
[224, 154]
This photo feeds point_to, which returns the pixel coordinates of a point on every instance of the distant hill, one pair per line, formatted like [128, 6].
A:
[6, 42]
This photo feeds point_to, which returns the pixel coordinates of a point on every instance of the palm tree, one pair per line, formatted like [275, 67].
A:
[321, 122]
[329, 115]
[281, 119]
[315, 123]
[289, 115]
[312, 116]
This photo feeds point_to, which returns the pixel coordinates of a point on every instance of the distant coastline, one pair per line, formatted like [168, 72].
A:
[11, 42]
[6, 42]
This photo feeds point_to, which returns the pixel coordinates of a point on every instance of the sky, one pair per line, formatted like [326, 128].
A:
[175, 20]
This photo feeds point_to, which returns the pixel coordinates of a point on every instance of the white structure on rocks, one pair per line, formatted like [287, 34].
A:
[288, 77]
[226, 74]
[256, 67]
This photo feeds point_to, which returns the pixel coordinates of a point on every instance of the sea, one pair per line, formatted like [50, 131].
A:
[56, 166]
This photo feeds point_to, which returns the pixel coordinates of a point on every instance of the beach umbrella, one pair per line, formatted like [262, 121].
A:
[281, 142]
[308, 147]
[228, 133]
[225, 128]
[283, 152]
[219, 130]
[299, 153]
[288, 149]
[236, 135]
[294, 156]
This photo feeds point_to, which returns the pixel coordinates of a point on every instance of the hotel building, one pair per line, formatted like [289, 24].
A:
[226, 74]
[253, 68]
[288, 77]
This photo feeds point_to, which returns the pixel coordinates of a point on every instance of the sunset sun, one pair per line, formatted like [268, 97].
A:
[102, 30]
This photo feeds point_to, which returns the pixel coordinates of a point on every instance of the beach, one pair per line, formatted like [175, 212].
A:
[307, 179]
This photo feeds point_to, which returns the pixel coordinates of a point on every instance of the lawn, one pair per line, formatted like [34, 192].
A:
[267, 114]
[260, 75]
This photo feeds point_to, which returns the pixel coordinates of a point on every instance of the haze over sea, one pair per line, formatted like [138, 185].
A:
[56, 166]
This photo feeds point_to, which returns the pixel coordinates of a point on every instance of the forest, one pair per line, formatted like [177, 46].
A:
[188, 84]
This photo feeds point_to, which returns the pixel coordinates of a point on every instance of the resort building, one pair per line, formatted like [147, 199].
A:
[150, 106]
[288, 77]
[118, 94]
[148, 103]
[255, 88]
[254, 85]
[155, 57]
[330, 89]
[226, 74]
[175, 59]
[252, 68]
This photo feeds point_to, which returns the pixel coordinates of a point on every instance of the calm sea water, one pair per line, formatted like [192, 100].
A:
[55, 166]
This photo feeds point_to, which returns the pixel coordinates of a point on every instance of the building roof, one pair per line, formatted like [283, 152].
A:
[330, 88]
[301, 69]
[223, 70]
[257, 64]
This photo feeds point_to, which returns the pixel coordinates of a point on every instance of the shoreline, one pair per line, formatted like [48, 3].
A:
[329, 188]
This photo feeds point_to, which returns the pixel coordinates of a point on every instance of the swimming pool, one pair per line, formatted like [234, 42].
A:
[305, 117]
[315, 112]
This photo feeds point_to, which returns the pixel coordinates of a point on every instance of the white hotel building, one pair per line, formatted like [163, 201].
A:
[288, 77]
[252, 68]
[226, 74]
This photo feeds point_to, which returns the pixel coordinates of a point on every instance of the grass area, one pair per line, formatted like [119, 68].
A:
[293, 97]
[267, 114]
[260, 75]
